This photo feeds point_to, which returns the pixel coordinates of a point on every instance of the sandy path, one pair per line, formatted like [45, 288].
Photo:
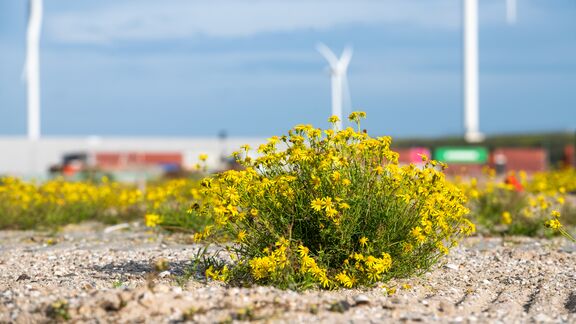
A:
[91, 276]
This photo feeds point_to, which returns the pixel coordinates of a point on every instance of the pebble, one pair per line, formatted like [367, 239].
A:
[361, 300]
[451, 266]
[164, 274]
[411, 316]
[340, 306]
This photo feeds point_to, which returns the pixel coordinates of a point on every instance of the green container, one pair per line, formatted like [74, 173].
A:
[464, 155]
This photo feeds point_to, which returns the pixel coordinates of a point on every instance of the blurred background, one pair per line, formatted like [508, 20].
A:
[156, 83]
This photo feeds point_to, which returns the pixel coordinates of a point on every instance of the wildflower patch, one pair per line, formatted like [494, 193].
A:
[333, 209]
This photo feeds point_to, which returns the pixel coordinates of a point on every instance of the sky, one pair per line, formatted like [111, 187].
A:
[250, 68]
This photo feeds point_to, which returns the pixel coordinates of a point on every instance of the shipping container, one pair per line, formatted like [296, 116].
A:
[519, 159]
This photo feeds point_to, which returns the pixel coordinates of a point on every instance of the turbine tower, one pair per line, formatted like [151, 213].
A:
[471, 70]
[471, 111]
[511, 11]
[32, 68]
[338, 68]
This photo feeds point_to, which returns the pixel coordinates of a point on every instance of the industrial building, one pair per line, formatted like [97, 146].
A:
[21, 157]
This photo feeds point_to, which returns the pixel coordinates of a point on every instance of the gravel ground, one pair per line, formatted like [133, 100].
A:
[88, 275]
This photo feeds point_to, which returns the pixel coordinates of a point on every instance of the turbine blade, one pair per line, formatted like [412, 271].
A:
[328, 54]
[345, 58]
[347, 98]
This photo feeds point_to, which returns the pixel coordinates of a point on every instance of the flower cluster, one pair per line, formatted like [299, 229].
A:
[274, 261]
[516, 204]
[310, 199]
[58, 202]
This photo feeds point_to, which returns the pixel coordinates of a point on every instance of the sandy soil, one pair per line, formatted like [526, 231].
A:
[84, 274]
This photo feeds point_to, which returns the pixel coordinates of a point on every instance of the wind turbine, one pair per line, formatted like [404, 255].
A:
[31, 73]
[338, 68]
[471, 85]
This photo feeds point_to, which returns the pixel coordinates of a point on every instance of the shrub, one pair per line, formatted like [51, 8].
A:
[333, 209]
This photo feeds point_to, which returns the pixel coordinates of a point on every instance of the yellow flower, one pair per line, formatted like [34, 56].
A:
[317, 204]
[506, 218]
[241, 235]
[418, 235]
[405, 197]
[331, 212]
[335, 176]
[197, 237]
[333, 119]
[262, 267]
[315, 181]
[152, 220]
[203, 157]
[343, 205]
[273, 140]
[553, 224]
[407, 247]
[555, 214]
[363, 241]
[358, 256]
[303, 251]
[327, 202]
[356, 115]
[344, 279]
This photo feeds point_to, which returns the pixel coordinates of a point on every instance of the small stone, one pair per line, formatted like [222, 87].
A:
[451, 266]
[362, 300]
[412, 317]
[111, 302]
[395, 300]
[340, 306]
[87, 286]
[164, 274]
[115, 228]
[23, 277]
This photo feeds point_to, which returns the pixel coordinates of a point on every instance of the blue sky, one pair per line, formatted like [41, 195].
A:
[194, 68]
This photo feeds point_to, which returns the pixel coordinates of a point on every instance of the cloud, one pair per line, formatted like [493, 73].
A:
[179, 19]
